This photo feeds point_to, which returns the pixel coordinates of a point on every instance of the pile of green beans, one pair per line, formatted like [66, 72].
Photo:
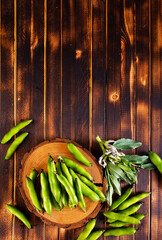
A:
[17, 141]
[64, 184]
[124, 214]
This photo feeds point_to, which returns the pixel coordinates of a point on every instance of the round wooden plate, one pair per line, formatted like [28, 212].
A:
[37, 158]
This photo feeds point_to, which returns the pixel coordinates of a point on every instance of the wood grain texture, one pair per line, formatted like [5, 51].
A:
[29, 94]
[98, 84]
[127, 82]
[68, 107]
[156, 117]
[142, 105]
[113, 72]
[53, 84]
[6, 115]
[97, 72]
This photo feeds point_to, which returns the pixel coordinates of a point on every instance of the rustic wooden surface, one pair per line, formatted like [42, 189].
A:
[80, 69]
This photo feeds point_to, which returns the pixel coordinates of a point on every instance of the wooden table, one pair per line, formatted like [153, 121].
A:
[80, 69]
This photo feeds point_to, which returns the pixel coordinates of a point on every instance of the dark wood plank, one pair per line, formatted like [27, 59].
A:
[127, 92]
[98, 84]
[120, 72]
[68, 110]
[156, 113]
[113, 72]
[53, 84]
[6, 114]
[53, 69]
[29, 94]
[142, 105]
[75, 74]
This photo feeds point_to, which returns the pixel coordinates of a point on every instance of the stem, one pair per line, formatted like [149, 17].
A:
[100, 143]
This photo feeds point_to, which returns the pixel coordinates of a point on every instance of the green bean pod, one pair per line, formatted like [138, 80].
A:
[87, 230]
[120, 231]
[85, 189]
[15, 211]
[121, 217]
[77, 168]
[78, 155]
[13, 131]
[93, 187]
[33, 175]
[64, 196]
[46, 195]
[55, 204]
[53, 181]
[95, 235]
[33, 194]
[15, 145]
[66, 172]
[130, 210]
[80, 195]
[156, 160]
[121, 199]
[132, 200]
[69, 189]
[121, 224]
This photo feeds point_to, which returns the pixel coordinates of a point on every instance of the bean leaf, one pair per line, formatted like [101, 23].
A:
[136, 159]
[126, 144]
[115, 170]
[148, 166]
[116, 184]
[110, 190]
[128, 171]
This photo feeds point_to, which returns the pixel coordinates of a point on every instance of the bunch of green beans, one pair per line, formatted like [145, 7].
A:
[17, 141]
[123, 215]
[64, 184]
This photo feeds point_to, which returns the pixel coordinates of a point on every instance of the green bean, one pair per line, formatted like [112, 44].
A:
[78, 155]
[33, 194]
[133, 200]
[66, 172]
[121, 199]
[95, 235]
[55, 204]
[80, 195]
[15, 145]
[156, 160]
[15, 211]
[121, 224]
[85, 189]
[33, 175]
[69, 189]
[71, 205]
[77, 168]
[93, 187]
[87, 230]
[120, 231]
[64, 195]
[121, 217]
[46, 195]
[53, 181]
[130, 210]
[15, 130]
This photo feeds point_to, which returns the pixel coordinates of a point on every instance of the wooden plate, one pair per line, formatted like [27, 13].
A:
[37, 158]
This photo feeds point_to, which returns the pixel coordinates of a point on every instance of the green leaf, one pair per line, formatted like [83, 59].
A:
[136, 159]
[128, 171]
[114, 169]
[126, 144]
[116, 184]
[109, 192]
[148, 166]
